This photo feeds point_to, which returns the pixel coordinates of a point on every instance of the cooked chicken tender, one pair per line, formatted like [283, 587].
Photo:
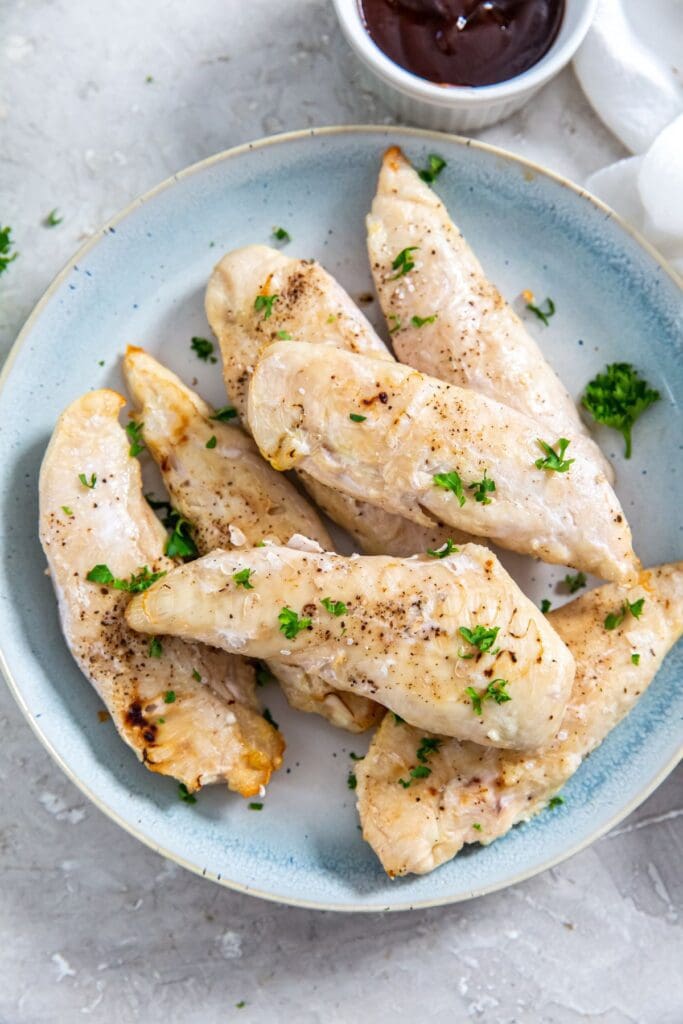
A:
[472, 794]
[446, 319]
[451, 645]
[187, 710]
[419, 447]
[256, 296]
[218, 481]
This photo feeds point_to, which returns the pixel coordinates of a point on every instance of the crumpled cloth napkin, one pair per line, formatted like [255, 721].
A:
[630, 67]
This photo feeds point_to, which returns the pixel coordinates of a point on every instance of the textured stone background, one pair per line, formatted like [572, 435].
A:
[93, 925]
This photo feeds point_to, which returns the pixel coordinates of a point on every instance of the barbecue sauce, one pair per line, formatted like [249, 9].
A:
[464, 42]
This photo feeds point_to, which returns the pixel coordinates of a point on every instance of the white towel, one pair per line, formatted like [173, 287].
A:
[631, 69]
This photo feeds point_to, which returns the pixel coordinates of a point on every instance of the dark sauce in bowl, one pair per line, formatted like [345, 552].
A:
[463, 42]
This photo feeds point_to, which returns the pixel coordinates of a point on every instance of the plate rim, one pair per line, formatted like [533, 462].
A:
[23, 335]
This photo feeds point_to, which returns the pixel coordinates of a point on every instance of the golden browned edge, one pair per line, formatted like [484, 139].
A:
[529, 170]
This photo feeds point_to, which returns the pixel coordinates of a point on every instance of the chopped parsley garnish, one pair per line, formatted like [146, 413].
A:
[554, 460]
[155, 648]
[284, 335]
[475, 824]
[169, 697]
[156, 505]
[135, 585]
[264, 304]
[52, 220]
[355, 757]
[67, 511]
[185, 795]
[635, 659]
[269, 718]
[543, 314]
[617, 398]
[351, 780]
[282, 235]
[481, 637]
[420, 321]
[574, 583]
[451, 482]
[290, 623]
[546, 605]
[494, 691]
[335, 608]
[134, 432]
[397, 719]
[225, 413]
[241, 1004]
[428, 745]
[396, 324]
[332, 318]
[5, 246]
[403, 264]
[615, 619]
[254, 806]
[180, 543]
[212, 442]
[241, 578]
[263, 674]
[357, 418]
[435, 165]
[444, 551]
[555, 801]
[203, 349]
[88, 483]
[420, 771]
[196, 676]
[482, 488]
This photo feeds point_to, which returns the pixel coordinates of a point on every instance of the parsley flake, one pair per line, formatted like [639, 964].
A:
[403, 264]
[396, 323]
[290, 623]
[554, 461]
[269, 718]
[351, 780]
[476, 825]
[155, 649]
[263, 674]
[574, 583]
[357, 418]
[281, 235]
[481, 637]
[444, 551]
[542, 314]
[52, 220]
[335, 608]
[617, 398]
[451, 482]
[614, 619]
[635, 659]
[212, 442]
[185, 795]
[169, 697]
[546, 605]
[203, 349]
[88, 483]
[180, 543]
[264, 304]
[482, 488]
[435, 165]
[397, 719]
[225, 413]
[428, 745]
[254, 806]
[196, 676]
[555, 801]
[67, 511]
[5, 246]
[284, 335]
[134, 433]
[420, 321]
[355, 757]
[420, 771]
[135, 585]
[241, 578]
[494, 691]
[475, 698]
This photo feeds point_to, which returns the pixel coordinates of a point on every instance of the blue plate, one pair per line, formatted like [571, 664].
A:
[142, 280]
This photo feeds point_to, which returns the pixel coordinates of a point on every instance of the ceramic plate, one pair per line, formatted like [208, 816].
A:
[142, 280]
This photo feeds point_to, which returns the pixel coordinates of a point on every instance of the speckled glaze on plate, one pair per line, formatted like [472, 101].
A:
[141, 280]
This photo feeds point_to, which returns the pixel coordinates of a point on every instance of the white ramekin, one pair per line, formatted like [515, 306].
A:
[455, 107]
